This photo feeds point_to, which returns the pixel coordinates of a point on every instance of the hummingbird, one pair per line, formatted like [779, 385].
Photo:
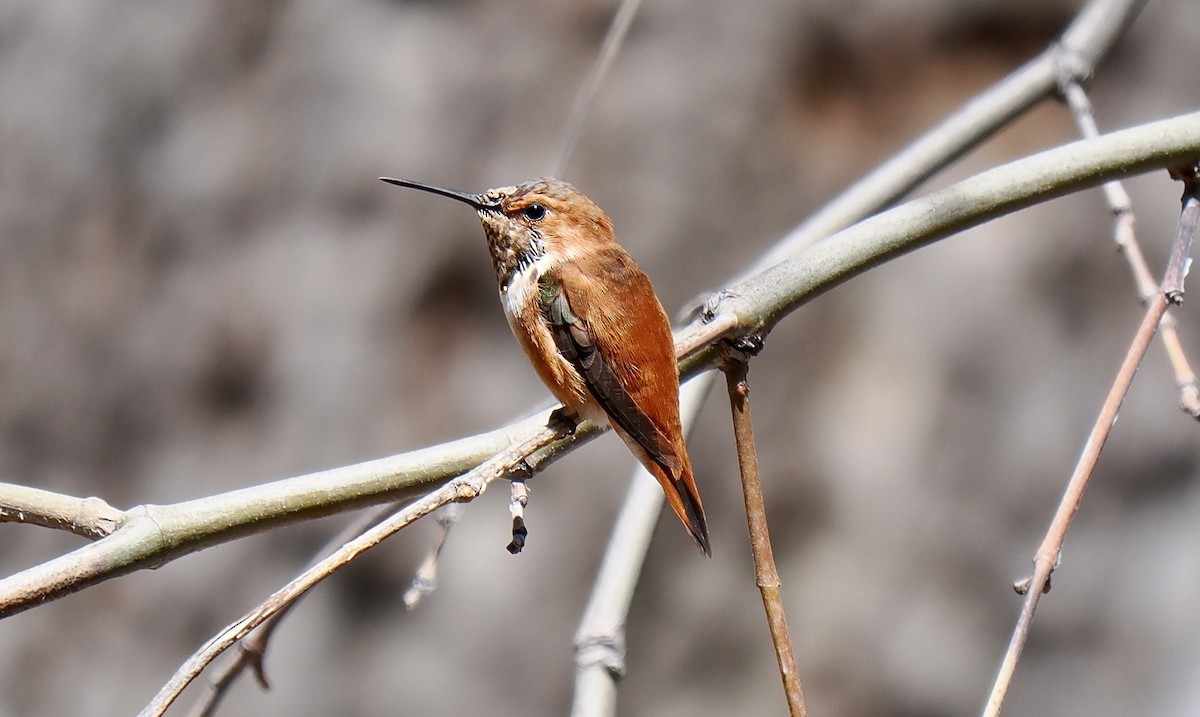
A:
[588, 319]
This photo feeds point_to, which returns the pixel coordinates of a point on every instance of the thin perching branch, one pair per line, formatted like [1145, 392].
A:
[1048, 553]
[464, 488]
[770, 295]
[150, 535]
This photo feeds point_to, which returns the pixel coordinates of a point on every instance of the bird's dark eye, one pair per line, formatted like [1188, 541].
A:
[534, 212]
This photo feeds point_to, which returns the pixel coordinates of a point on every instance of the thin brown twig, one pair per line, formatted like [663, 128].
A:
[766, 576]
[1046, 558]
[252, 651]
[611, 45]
[463, 488]
[1048, 553]
[425, 580]
[1189, 216]
[1124, 227]
[151, 535]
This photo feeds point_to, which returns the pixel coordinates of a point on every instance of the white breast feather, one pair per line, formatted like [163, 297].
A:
[522, 289]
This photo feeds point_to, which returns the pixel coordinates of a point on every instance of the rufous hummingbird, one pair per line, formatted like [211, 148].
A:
[589, 321]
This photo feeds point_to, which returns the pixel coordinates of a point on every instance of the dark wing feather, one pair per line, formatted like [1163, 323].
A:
[578, 346]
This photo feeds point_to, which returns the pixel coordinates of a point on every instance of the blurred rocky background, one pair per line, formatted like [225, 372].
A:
[203, 287]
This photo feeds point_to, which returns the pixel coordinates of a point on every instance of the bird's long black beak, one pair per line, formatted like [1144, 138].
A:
[475, 200]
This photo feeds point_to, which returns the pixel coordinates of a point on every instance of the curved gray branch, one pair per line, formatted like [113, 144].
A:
[150, 535]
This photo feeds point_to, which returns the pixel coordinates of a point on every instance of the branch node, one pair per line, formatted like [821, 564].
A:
[421, 586]
[606, 650]
[448, 515]
[258, 665]
[735, 357]
[1189, 398]
[99, 514]
[712, 305]
[1072, 70]
[424, 582]
[1021, 587]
